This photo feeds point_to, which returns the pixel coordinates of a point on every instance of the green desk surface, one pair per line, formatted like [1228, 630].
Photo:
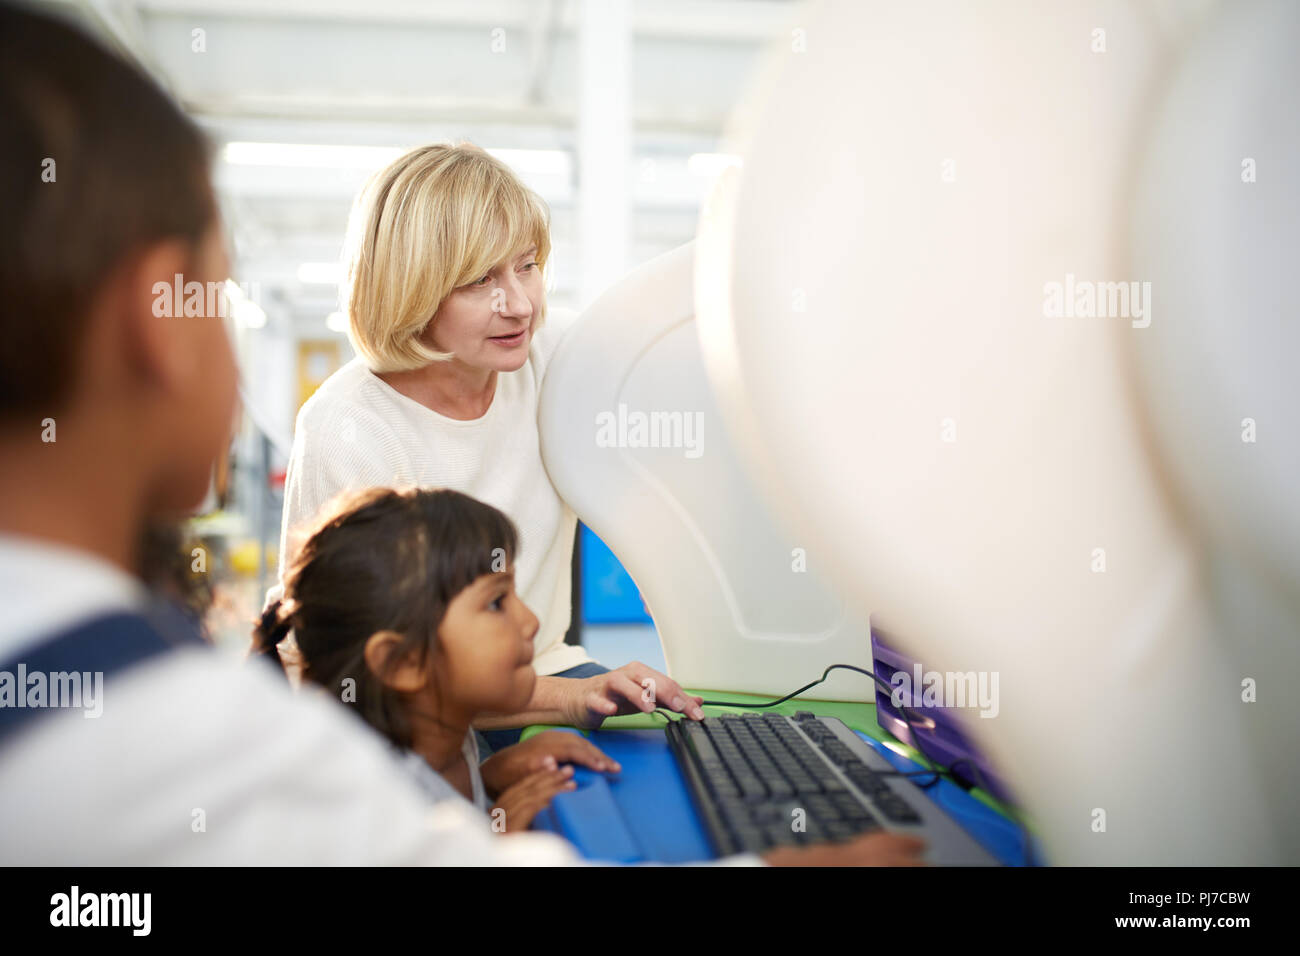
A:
[857, 715]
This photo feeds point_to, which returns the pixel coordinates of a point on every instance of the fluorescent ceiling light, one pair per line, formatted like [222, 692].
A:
[320, 273]
[309, 155]
[710, 164]
[243, 310]
[540, 162]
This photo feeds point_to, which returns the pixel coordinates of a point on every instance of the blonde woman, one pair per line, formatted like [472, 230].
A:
[446, 309]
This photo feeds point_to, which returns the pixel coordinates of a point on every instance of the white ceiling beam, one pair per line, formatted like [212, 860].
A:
[404, 110]
[735, 20]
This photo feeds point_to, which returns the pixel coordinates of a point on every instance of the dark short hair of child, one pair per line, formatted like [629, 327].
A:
[382, 560]
[97, 162]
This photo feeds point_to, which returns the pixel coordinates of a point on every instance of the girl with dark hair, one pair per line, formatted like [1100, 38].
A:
[403, 604]
[143, 406]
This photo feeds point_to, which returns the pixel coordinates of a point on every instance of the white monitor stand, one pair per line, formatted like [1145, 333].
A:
[1071, 499]
[738, 602]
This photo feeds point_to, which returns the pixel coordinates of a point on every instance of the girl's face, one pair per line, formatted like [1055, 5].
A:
[488, 324]
[484, 652]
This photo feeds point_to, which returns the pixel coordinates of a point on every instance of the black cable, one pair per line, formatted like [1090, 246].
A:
[975, 770]
[782, 700]
[935, 774]
[979, 782]
[1014, 810]
[916, 742]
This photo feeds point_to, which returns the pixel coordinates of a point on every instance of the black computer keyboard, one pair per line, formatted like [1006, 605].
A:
[761, 782]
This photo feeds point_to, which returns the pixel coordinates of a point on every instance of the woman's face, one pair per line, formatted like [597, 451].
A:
[484, 652]
[488, 324]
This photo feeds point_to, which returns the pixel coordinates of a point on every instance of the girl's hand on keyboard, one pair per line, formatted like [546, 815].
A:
[545, 751]
[522, 802]
[876, 849]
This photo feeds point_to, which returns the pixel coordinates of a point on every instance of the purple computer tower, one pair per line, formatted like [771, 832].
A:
[941, 738]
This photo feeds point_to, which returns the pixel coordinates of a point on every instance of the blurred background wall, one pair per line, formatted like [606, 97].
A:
[612, 110]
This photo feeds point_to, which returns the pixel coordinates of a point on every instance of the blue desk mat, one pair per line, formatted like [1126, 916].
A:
[645, 814]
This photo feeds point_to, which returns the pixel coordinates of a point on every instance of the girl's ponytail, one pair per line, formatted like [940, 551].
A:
[274, 626]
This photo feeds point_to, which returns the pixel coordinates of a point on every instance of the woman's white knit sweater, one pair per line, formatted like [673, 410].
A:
[356, 431]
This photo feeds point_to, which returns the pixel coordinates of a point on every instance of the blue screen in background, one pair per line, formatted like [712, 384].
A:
[608, 594]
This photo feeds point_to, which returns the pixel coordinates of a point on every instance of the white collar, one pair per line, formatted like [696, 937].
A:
[46, 588]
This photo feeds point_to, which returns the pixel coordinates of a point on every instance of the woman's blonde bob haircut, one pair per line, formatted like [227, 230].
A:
[438, 218]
